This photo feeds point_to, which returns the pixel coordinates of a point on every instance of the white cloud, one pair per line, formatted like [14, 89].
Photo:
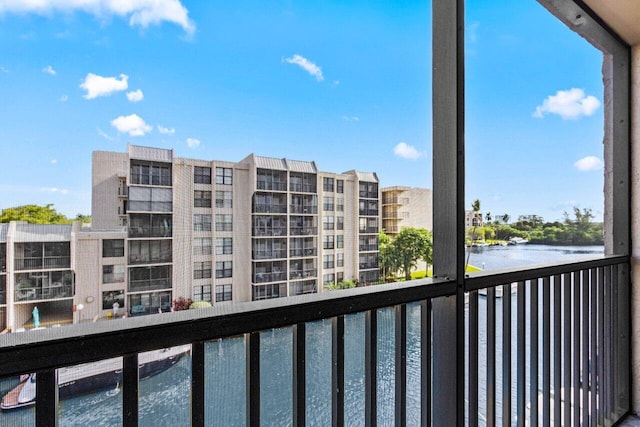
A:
[54, 161]
[54, 190]
[589, 163]
[351, 118]
[166, 131]
[192, 142]
[132, 124]
[96, 85]
[63, 98]
[135, 96]
[4, 69]
[306, 65]
[569, 104]
[407, 151]
[49, 70]
[141, 13]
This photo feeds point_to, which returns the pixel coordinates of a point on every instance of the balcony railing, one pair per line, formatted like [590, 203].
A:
[295, 252]
[270, 277]
[271, 185]
[163, 231]
[40, 263]
[302, 274]
[54, 291]
[269, 254]
[368, 248]
[270, 208]
[309, 210]
[546, 345]
[303, 231]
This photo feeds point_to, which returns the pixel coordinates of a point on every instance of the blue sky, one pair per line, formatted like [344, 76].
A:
[347, 84]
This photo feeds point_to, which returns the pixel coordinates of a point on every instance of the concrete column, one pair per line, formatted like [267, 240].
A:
[635, 227]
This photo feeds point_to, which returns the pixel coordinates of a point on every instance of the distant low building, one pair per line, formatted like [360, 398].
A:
[406, 207]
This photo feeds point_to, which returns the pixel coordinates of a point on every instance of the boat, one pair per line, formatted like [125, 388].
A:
[94, 376]
[517, 241]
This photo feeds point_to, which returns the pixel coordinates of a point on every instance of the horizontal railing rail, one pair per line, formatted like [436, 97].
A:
[561, 352]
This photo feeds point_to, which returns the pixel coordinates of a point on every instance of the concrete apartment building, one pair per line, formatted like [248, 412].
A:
[406, 207]
[165, 227]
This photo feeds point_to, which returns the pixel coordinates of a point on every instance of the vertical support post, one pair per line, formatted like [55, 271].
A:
[474, 341]
[197, 384]
[337, 371]
[533, 352]
[299, 377]
[371, 367]
[47, 398]
[521, 370]
[401, 366]
[252, 349]
[130, 376]
[506, 355]
[425, 363]
[448, 205]
[491, 356]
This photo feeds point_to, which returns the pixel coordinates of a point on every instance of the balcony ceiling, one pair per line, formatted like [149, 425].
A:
[622, 16]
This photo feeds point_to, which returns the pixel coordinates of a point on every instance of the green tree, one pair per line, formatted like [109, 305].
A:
[85, 219]
[34, 214]
[387, 259]
[411, 245]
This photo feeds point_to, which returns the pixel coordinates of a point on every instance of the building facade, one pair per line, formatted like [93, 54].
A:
[224, 231]
[166, 227]
[406, 207]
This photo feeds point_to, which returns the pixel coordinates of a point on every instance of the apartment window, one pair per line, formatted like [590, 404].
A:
[150, 173]
[202, 199]
[202, 270]
[277, 290]
[328, 278]
[224, 246]
[146, 199]
[340, 223]
[149, 251]
[327, 184]
[327, 261]
[113, 273]
[223, 293]
[339, 276]
[339, 260]
[340, 204]
[112, 248]
[224, 176]
[202, 293]
[224, 269]
[224, 222]
[201, 222]
[340, 186]
[224, 199]
[327, 242]
[109, 298]
[339, 241]
[202, 246]
[328, 204]
[328, 223]
[201, 175]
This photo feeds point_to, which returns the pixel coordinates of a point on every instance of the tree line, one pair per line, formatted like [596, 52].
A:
[36, 214]
[576, 229]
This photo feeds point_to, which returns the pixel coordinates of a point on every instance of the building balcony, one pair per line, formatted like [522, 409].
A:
[270, 277]
[42, 263]
[303, 231]
[368, 248]
[142, 232]
[36, 293]
[531, 333]
[302, 274]
[306, 252]
[269, 208]
[271, 185]
[270, 254]
[308, 210]
[368, 265]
